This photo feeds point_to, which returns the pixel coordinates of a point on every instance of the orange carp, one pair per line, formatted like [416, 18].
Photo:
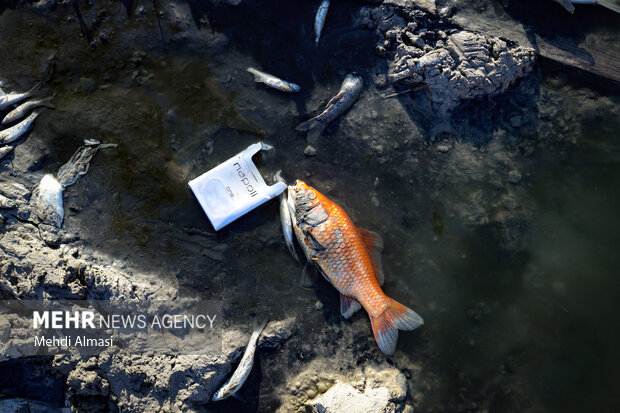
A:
[348, 257]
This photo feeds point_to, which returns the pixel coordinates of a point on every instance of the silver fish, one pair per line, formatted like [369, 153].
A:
[243, 370]
[346, 97]
[47, 201]
[6, 203]
[20, 111]
[273, 82]
[319, 20]
[287, 226]
[5, 150]
[14, 132]
[8, 99]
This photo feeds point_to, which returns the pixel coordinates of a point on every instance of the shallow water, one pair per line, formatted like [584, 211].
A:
[516, 282]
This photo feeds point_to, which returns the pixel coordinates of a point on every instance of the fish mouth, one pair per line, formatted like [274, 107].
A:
[299, 186]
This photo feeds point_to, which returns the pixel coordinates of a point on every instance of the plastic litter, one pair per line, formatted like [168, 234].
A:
[234, 188]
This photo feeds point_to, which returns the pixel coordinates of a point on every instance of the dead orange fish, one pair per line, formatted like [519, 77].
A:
[348, 257]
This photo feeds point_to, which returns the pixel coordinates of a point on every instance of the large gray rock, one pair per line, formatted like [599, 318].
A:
[342, 398]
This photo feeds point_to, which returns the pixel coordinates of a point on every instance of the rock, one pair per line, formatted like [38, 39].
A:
[443, 148]
[87, 85]
[310, 151]
[373, 388]
[388, 377]
[16, 191]
[277, 332]
[87, 383]
[516, 121]
[509, 203]
[380, 81]
[514, 177]
[49, 234]
[344, 398]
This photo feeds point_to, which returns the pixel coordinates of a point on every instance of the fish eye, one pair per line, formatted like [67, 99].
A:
[311, 195]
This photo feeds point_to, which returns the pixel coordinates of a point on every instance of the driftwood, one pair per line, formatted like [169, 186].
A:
[600, 58]
[604, 63]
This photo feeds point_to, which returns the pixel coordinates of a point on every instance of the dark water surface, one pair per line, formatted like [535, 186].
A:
[517, 282]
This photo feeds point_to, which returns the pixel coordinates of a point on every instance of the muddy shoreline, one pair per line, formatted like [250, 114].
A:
[465, 178]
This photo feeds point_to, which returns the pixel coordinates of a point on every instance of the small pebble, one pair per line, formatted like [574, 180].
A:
[510, 203]
[443, 148]
[310, 151]
[514, 177]
[516, 121]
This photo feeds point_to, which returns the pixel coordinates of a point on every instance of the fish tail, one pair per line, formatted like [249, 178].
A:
[47, 102]
[36, 87]
[567, 5]
[610, 5]
[395, 317]
[257, 75]
[309, 124]
[314, 133]
[258, 327]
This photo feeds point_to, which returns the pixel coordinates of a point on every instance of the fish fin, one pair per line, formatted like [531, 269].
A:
[335, 99]
[257, 76]
[567, 5]
[312, 241]
[610, 5]
[238, 397]
[309, 124]
[374, 245]
[309, 275]
[395, 317]
[292, 250]
[315, 133]
[2, 92]
[47, 103]
[348, 306]
[34, 88]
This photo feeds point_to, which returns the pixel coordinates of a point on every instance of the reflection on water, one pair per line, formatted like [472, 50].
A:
[533, 329]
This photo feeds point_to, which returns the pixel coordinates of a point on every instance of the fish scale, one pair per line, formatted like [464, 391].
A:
[332, 242]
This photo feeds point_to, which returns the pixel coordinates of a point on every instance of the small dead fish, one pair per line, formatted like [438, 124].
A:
[8, 99]
[287, 226]
[20, 111]
[348, 257]
[242, 372]
[273, 82]
[14, 132]
[5, 150]
[346, 97]
[47, 201]
[319, 20]
[6, 203]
